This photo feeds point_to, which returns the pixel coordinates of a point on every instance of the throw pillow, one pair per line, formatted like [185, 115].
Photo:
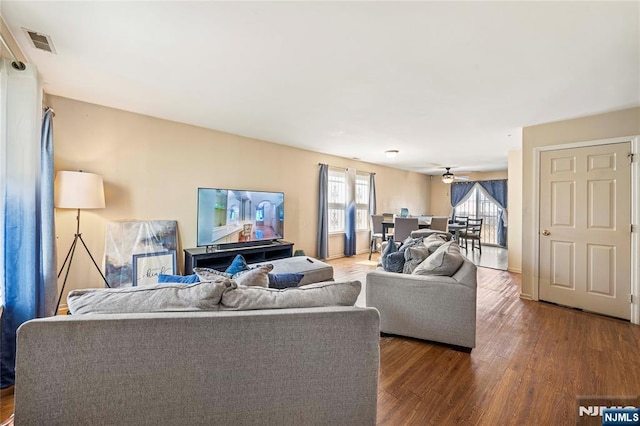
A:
[238, 265]
[394, 262]
[257, 277]
[204, 296]
[413, 256]
[281, 281]
[433, 241]
[308, 296]
[446, 260]
[410, 242]
[208, 274]
[389, 249]
[187, 279]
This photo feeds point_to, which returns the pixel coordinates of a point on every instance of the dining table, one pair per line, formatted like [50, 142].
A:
[387, 224]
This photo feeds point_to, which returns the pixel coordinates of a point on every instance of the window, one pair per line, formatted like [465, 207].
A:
[337, 199]
[362, 201]
[479, 206]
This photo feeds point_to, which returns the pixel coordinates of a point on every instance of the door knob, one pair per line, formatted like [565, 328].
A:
[546, 232]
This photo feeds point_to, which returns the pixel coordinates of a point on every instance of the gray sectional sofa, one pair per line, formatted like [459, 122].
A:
[213, 352]
[430, 307]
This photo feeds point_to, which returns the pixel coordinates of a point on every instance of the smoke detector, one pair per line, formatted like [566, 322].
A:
[40, 41]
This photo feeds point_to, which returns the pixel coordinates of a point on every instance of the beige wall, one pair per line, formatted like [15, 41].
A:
[595, 127]
[441, 197]
[152, 167]
[514, 202]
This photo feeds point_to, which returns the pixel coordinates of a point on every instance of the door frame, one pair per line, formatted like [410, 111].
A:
[635, 214]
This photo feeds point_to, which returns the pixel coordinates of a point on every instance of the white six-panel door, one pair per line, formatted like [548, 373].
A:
[585, 237]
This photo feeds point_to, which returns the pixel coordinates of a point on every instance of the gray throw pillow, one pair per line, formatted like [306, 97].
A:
[208, 274]
[434, 241]
[307, 296]
[258, 277]
[413, 256]
[446, 261]
[410, 242]
[203, 296]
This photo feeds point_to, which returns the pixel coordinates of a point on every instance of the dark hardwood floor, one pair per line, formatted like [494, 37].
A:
[531, 362]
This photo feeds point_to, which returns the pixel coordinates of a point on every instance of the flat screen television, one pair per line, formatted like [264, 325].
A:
[237, 216]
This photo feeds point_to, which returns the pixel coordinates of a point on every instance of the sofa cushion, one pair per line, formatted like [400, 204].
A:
[186, 279]
[446, 260]
[309, 296]
[203, 296]
[257, 277]
[413, 256]
[281, 281]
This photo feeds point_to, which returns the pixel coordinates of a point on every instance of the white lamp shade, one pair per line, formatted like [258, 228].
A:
[78, 190]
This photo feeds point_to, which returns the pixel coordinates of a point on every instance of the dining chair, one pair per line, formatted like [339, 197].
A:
[403, 226]
[439, 223]
[460, 219]
[472, 232]
[376, 232]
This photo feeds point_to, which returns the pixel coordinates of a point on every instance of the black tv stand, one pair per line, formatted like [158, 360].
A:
[220, 259]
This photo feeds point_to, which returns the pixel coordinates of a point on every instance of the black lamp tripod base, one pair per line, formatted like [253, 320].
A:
[69, 258]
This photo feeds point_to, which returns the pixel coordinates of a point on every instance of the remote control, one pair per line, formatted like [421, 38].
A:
[309, 260]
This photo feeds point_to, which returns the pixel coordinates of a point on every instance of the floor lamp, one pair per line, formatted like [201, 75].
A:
[77, 190]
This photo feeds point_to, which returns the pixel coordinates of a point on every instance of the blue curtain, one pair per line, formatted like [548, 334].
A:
[27, 276]
[459, 190]
[350, 222]
[372, 194]
[497, 189]
[323, 212]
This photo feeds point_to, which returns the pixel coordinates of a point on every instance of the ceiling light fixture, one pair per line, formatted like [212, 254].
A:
[392, 153]
[447, 177]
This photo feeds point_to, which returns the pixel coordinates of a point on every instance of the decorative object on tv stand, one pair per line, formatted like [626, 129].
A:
[77, 190]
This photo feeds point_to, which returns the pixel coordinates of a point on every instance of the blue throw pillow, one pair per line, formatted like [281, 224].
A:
[187, 279]
[390, 248]
[394, 262]
[281, 281]
[238, 265]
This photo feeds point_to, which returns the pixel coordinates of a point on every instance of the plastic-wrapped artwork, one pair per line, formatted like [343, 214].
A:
[123, 240]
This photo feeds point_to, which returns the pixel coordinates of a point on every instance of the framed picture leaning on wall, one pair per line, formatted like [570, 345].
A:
[147, 267]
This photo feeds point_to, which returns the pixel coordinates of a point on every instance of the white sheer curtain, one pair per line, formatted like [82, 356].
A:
[27, 260]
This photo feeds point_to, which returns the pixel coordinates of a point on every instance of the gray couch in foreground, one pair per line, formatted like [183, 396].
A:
[268, 367]
[429, 307]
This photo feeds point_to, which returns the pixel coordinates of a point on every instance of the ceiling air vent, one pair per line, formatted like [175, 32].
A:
[40, 41]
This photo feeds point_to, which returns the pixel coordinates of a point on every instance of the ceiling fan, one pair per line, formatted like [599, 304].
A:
[448, 177]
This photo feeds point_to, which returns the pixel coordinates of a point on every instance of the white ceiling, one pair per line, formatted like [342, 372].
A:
[446, 83]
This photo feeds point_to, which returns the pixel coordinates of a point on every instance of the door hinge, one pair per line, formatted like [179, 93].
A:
[632, 228]
[631, 298]
[630, 156]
